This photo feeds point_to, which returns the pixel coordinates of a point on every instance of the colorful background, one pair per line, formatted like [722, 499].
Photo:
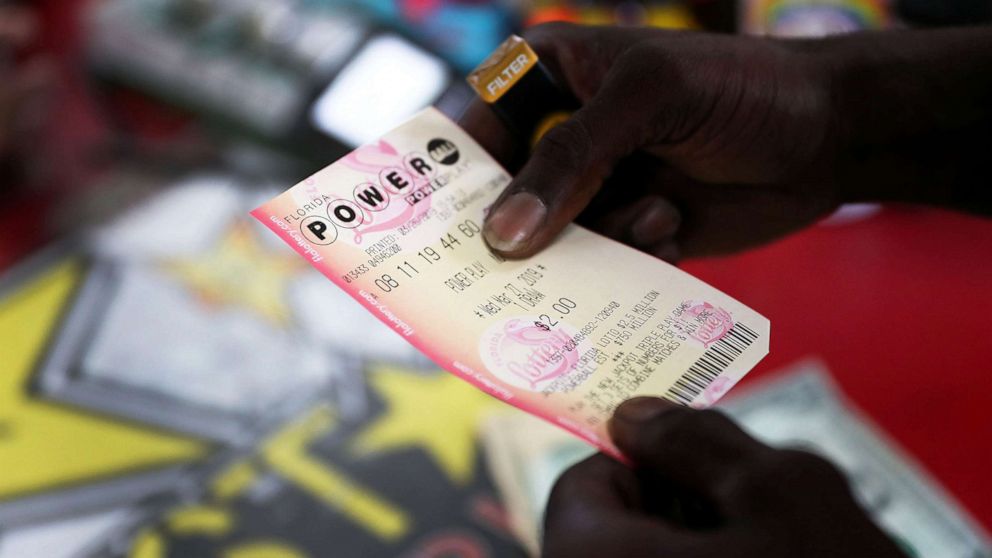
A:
[127, 428]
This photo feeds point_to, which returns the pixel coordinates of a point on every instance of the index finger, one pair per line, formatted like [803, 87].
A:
[703, 451]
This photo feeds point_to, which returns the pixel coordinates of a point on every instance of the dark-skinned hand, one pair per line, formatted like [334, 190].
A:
[692, 144]
[701, 487]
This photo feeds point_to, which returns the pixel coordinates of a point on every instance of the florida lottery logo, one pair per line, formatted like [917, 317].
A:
[397, 189]
[525, 353]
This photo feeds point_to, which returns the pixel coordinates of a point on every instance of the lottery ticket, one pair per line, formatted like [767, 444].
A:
[566, 335]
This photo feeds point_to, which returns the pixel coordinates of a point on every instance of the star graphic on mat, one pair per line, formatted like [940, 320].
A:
[46, 445]
[240, 271]
[438, 412]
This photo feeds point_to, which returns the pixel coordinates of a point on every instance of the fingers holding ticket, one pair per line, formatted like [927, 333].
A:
[566, 335]
[651, 138]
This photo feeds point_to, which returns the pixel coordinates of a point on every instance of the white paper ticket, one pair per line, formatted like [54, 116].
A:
[567, 334]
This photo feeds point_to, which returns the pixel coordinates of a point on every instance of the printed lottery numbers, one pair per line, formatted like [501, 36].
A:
[469, 228]
[386, 283]
[449, 242]
[429, 255]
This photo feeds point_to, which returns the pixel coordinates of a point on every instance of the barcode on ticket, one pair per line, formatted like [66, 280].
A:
[711, 364]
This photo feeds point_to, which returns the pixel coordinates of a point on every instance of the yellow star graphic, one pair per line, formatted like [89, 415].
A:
[240, 271]
[44, 445]
[438, 412]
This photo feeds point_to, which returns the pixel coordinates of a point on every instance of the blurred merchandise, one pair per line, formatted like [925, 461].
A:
[303, 77]
[68, 537]
[158, 329]
[179, 383]
[401, 482]
[812, 18]
[462, 31]
[28, 83]
[801, 409]
[386, 82]
[59, 461]
[667, 14]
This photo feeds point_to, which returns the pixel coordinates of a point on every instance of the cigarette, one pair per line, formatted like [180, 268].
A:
[521, 90]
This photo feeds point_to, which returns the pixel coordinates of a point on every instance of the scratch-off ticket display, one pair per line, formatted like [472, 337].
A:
[566, 335]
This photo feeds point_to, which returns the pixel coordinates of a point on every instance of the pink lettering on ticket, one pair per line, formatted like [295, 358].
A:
[566, 335]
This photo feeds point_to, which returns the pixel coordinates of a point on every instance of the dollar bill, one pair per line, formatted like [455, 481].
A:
[800, 409]
[525, 456]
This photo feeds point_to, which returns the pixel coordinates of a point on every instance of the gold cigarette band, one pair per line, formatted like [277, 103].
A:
[502, 69]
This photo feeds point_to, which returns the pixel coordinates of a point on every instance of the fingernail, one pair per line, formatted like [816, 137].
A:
[512, 225]
[642, 409]
[657, 221]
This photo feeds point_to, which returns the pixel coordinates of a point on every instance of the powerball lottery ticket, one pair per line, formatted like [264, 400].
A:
[566, 335]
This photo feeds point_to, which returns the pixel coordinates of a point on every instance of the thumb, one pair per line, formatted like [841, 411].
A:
[702, 451]
[566, 169]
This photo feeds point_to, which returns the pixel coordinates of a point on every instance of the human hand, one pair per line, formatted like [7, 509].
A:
[701, 488]
[690, 143]
[697, 144]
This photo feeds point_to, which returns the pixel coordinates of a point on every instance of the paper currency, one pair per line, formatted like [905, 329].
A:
[525, 456]
[802, 409]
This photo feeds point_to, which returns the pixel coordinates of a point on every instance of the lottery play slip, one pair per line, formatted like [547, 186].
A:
[566, 335]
